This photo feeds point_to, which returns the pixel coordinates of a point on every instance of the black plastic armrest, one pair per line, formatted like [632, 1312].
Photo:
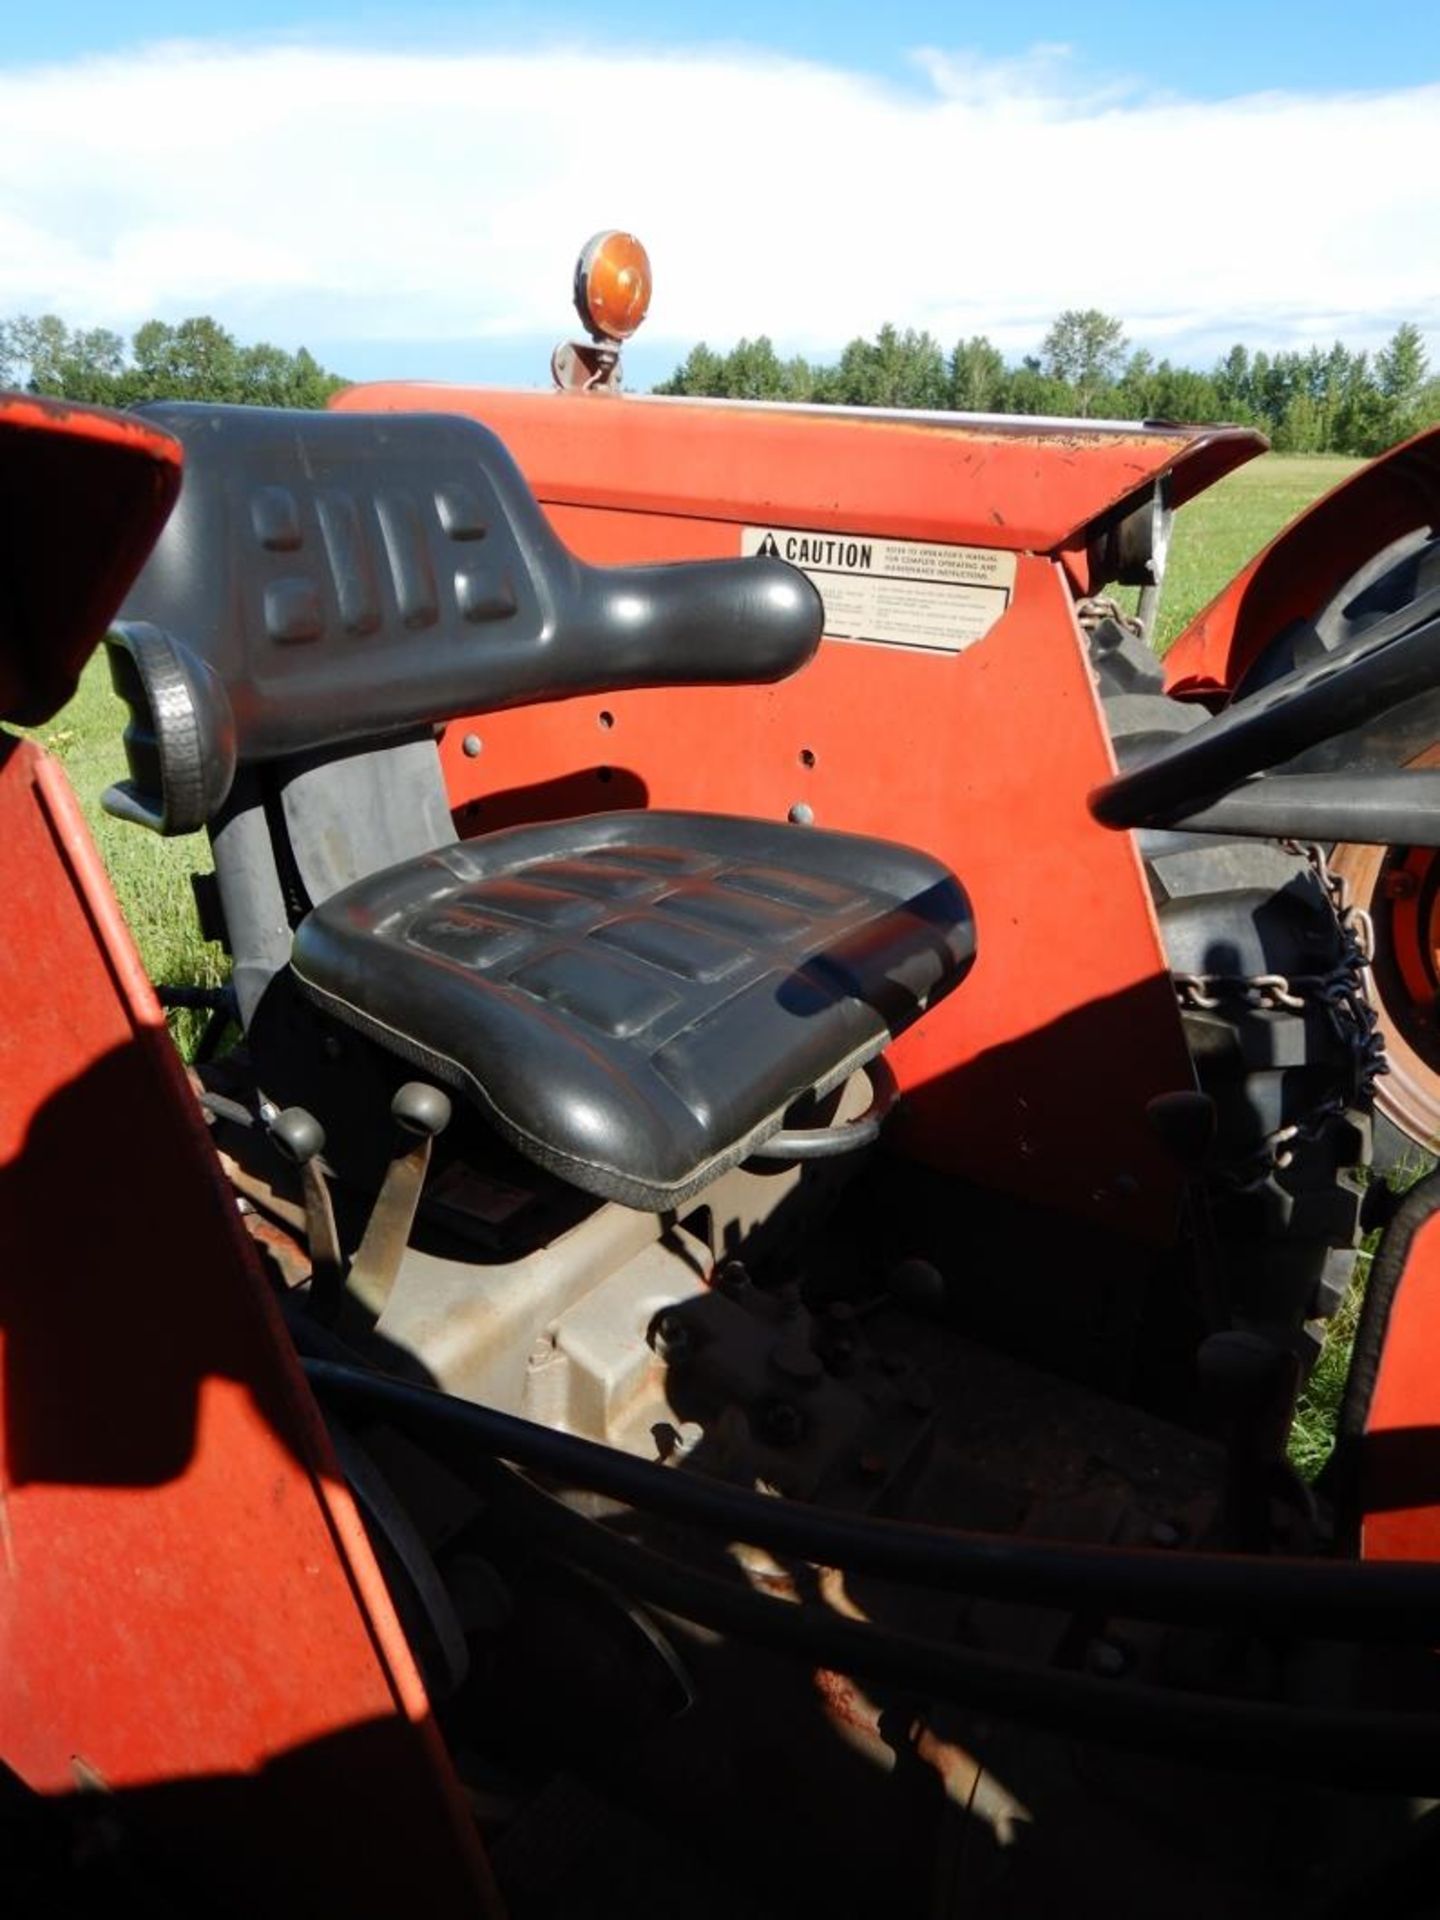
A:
[180, 736]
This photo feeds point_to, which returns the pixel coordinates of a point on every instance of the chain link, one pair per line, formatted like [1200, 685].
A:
[1099, 607]
[1345, 994]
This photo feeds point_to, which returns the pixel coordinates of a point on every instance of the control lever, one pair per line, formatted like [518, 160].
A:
[1251, 1384]
[1390, 663]
[1185, 1125]
[299, 1138]
[420, 1113]
[1400, 808]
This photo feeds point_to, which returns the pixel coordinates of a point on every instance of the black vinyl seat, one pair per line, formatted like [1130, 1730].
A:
[634, 999]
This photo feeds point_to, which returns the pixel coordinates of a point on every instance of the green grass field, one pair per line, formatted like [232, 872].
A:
[1214, 537]
[1216, 534]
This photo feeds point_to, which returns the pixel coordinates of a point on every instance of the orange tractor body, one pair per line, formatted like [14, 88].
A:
[269, 1644]
[938, 729]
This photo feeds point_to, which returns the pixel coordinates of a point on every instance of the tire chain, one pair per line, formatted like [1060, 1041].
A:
[1097, 608]
[1346, 996]
[1345, 992]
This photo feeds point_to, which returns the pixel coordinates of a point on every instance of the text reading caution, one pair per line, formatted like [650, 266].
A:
[899, 593]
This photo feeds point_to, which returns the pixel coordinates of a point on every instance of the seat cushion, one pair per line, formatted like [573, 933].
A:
[634, 999]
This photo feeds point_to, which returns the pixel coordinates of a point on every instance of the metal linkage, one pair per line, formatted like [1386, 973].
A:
[1096, 608]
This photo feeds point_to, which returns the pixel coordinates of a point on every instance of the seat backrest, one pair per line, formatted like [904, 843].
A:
[331, 586]
[334, 578]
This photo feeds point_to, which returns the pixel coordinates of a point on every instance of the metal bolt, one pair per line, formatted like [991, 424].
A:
[1107, 1658]
[1401, 885]
[801, 815]
[672, 1337]
[470, 746]
[1165, 1533]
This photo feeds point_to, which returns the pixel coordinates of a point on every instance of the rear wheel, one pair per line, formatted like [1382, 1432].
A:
[1398, 887]
[1268, 980]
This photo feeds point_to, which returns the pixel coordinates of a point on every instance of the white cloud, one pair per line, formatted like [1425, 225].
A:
[357, 195]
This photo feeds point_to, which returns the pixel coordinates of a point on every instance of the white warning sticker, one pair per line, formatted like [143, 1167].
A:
[901, 593]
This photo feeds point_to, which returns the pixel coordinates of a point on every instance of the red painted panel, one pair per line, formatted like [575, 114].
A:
[1035, 1074]
[1400, 1489]
[1014, 483]
[190, 1615]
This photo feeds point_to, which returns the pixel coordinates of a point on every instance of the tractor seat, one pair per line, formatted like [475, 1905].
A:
[635, 999]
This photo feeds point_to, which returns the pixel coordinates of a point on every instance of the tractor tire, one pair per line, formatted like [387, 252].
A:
[1251, 936]
[1398, 887]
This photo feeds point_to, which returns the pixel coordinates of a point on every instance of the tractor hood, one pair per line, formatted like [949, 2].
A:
[991, 480]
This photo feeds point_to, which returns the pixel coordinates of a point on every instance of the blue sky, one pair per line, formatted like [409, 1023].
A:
[403, 188]
[1209, 48]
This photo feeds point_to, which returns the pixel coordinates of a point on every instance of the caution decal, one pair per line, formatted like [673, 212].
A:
[899, 593]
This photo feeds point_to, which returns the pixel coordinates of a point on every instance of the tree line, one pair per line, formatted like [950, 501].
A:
[196, 359]
[1333, 400]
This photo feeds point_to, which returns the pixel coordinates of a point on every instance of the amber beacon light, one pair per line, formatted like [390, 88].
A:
[612, 285]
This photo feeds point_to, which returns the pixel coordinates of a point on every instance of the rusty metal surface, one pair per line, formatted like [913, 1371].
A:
[258, 1189]
[845, 1798]
[287, 1254]
[1396, 887]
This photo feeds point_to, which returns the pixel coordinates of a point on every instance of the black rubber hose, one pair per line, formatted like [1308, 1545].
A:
[1397, 1602]
[1355, 1749]
[201, 999]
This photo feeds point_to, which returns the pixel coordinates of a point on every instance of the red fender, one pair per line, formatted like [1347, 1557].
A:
[1305, 564]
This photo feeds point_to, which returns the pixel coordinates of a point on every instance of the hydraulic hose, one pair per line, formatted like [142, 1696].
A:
[1355, 1749]
[1397, 1602]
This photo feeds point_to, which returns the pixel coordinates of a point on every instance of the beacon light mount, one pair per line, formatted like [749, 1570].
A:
[612, 296]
